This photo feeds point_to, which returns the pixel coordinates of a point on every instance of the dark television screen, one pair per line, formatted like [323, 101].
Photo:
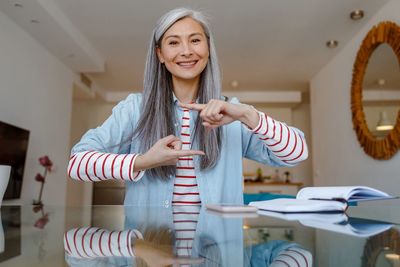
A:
[13, 149]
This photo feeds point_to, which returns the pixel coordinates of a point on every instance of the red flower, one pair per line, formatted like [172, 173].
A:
[41, 223]
[46, 162]
[39, 178]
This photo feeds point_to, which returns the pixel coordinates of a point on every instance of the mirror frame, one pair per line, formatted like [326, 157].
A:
[389, 240]
[381, 149]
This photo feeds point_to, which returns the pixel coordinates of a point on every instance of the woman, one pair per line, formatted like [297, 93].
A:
[180, 142]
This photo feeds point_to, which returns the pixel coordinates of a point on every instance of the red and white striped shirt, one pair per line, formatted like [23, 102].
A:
[186, 198]
[185, 223]
[186, 191]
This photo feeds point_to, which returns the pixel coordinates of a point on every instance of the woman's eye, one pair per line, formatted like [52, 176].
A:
[195, 40]
[173, 43]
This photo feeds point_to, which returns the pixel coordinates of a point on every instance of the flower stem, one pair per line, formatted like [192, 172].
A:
[40, 194]
[41, 187]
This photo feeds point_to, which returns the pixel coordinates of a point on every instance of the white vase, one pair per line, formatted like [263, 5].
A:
[2, 241]
[4, 177]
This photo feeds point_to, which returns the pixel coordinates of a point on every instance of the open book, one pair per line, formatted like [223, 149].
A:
[322, 199]
[335, 222]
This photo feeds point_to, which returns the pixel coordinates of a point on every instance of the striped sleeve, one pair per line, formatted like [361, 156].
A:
[96, 166]
[93, 242]
[285, 142]
[293, 257]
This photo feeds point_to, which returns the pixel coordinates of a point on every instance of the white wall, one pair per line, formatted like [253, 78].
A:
[338, 157]
[301, 119]
[36, 94]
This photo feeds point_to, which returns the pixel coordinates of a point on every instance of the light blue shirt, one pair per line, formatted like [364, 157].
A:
[221, 184]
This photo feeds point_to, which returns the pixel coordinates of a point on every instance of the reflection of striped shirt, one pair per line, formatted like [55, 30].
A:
[185, 223]
[186, 191]
[93, 242]
[293, 257]
[284, 141]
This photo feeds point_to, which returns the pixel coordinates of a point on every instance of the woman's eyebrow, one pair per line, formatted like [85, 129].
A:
[179, 36]
[196, 33]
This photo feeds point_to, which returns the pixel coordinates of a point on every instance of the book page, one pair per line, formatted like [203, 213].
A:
[354, 226]
[347, 193]
[335, 222]
[325, 217]
[299, 205]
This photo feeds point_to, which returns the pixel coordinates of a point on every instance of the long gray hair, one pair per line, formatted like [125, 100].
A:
[158, 115]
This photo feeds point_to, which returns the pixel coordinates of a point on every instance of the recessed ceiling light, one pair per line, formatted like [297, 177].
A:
[18, 5]
[234, 83]
[357, 14]
[381, 82]
[332, 43]
[35, 21]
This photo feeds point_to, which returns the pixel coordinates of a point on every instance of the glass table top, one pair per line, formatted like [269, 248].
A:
[367, 235]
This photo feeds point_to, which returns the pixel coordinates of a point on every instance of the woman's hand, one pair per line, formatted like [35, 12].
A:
[165, 151]
[217, 113]
[162, 255]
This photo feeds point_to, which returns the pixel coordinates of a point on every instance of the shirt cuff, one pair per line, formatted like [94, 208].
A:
[134, 235]
[259, 125]
[139, 174]
[265, 128]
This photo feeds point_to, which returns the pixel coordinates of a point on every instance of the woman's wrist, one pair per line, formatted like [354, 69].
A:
[250, 116]
[142, 163]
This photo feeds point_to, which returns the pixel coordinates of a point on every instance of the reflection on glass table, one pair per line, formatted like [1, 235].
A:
[183, 235]
[335, 222]
[133, 235]
[10, 233]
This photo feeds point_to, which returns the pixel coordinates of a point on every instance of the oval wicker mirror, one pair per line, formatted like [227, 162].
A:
[383, 248]
[384, 32]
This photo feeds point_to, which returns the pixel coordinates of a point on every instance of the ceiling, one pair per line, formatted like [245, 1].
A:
[265, 45]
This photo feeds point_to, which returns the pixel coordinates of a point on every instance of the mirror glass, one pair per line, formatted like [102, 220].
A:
[381, 91]
[387, 258]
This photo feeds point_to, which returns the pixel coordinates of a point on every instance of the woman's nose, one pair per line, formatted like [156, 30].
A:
[186, 49]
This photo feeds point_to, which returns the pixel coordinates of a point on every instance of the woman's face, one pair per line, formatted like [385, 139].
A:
[184, 49]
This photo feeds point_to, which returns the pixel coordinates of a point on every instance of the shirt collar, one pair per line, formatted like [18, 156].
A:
[176, 100]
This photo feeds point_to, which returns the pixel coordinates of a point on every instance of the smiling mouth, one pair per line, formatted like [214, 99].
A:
[187, 63]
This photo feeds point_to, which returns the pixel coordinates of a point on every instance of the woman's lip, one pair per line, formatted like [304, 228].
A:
[187, 63]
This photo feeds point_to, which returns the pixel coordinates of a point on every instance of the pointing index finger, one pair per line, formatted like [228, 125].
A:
[185, 153]
[198, 107]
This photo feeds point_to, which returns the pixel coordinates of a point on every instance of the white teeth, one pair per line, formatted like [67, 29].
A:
[187, 63]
